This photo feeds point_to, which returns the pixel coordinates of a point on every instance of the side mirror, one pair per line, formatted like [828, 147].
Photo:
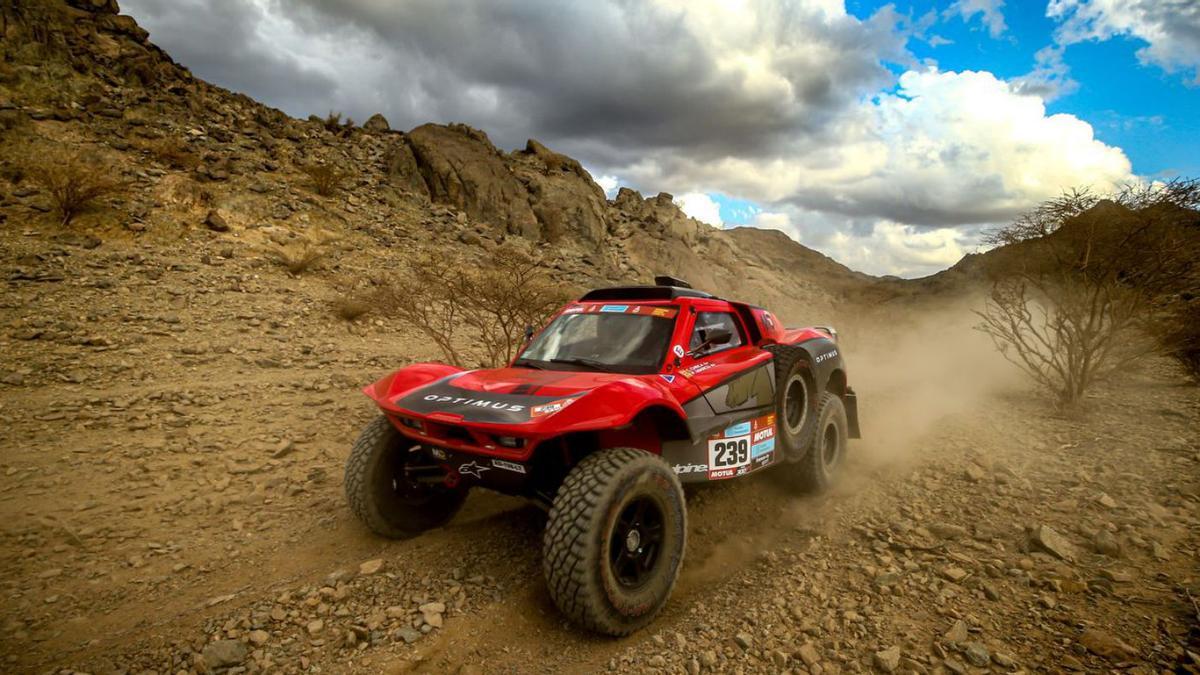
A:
[712, 337]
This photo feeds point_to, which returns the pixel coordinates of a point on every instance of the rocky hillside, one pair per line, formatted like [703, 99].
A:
[176, 407]
[83, 78]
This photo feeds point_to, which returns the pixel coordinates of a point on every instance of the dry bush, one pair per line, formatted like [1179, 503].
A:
[325, 179]
[173, 152]
[355, 305]
[1066, 333]
[493, 301]
[333, 123]
[303, 254]
[74, 183]
[1084, 278]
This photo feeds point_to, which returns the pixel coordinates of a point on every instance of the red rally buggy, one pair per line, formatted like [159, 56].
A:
[622, 397]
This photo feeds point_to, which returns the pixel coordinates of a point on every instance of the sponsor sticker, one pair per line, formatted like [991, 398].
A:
[643, 310]
[508, 466]
[826, 356]
[669, 378]
[551, 407]
[690, 468]
[741, 448]
[696, 369]
[678, 351]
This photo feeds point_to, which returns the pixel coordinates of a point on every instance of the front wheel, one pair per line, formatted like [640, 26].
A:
[615, 540]
[393, 486]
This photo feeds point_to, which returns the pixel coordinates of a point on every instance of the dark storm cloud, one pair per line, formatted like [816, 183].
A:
[635, 75]
[218, 42]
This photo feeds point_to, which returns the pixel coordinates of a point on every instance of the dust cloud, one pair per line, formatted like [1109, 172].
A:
[914, 365]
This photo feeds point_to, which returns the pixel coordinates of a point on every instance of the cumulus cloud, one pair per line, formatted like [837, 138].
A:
[1170, 28]
[989, 11]
[791, 105]
[880, 247]
[701, 207]
[944, 149]
[1050, 77]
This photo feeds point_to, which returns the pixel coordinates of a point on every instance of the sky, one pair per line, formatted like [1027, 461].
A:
[888, 136]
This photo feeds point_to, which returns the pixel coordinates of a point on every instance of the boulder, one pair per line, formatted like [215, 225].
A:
[215, 222]
[462, 168]
[1047, 539]
[376, 123]
[224, 654]
[563, 196]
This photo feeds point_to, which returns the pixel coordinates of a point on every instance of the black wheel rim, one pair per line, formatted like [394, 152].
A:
[636, 542]
[795, 403]
[830, 448]
[415, 476]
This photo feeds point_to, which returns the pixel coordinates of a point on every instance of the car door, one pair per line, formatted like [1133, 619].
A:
[735, 376]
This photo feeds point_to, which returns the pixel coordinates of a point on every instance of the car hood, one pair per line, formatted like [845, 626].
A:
[506, 395]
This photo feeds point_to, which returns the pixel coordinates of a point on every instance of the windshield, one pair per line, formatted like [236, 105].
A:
[613, 339]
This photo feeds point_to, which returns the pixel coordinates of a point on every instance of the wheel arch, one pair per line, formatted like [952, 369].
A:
[647, 429]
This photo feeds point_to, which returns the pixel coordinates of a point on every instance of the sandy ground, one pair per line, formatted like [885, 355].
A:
[172, 431]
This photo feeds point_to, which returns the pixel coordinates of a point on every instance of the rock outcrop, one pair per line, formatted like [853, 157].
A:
[462, 168]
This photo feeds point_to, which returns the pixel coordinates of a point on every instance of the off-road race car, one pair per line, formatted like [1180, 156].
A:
[625, 395]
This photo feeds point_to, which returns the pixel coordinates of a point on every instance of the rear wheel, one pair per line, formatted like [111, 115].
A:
[820, 467]
[615, 540]
[394, 486]
[795, 401]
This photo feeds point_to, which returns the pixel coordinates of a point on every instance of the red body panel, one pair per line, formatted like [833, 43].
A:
[582, 401]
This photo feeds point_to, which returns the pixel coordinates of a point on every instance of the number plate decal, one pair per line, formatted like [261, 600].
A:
[742, 448]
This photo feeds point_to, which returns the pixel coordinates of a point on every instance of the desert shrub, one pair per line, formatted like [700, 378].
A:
[492, 301]
[325, 179]
[173, 152]
[304, 254]
[74, 183]
[333, 123]
[1082, 280]
[1065, 332]
[355, 305]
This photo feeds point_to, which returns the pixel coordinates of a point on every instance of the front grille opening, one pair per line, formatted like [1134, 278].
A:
[458, 434]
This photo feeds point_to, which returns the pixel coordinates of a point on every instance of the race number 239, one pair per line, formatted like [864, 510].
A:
[729, 453]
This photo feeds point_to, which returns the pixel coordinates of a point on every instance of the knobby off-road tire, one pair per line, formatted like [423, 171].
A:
[795, 401]
[600, 573]
[379, 494]
[819, 468]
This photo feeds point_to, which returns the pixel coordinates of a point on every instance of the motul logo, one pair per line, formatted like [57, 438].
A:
[475, 402]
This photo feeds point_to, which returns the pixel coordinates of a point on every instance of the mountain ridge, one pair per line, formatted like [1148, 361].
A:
[106, 87]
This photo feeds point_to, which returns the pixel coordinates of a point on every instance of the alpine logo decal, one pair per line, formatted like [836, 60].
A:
[669, 378]
[472, 468]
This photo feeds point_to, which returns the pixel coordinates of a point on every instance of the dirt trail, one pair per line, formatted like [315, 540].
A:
[171, 500]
